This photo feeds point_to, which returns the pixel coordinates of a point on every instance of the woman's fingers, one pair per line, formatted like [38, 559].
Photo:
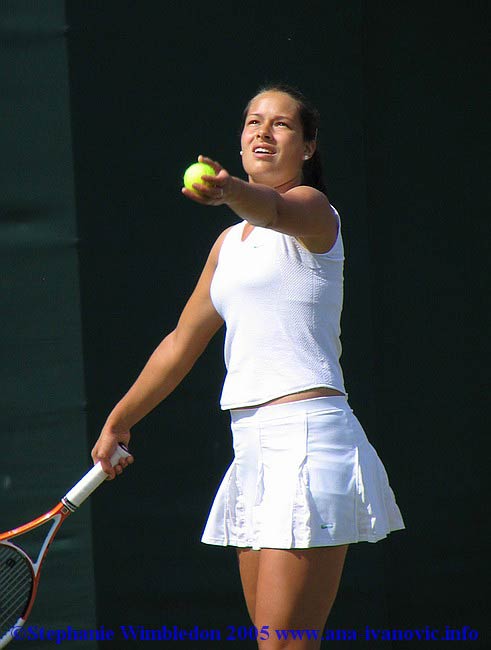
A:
[104, 449]
[212, 189]
[213, 163]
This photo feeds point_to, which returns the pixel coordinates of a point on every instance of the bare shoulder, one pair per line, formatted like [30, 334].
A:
[217, 246]
[311, 200]
[318, 218]
[199, 319]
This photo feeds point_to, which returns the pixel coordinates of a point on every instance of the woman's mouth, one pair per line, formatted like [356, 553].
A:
[263, 151]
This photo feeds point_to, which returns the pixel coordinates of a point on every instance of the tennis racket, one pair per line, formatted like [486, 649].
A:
[19, 575]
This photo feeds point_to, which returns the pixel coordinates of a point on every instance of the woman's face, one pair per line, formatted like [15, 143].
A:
[273, 146]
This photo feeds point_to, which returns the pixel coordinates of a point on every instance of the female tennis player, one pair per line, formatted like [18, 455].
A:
[305, 482]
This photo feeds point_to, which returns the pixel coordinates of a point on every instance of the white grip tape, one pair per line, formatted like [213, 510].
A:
[94, 477]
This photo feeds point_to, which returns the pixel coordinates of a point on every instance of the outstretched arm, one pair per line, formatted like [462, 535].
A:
[166, 368]
[302, 211]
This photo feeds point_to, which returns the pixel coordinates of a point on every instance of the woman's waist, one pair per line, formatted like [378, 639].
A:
[295, 403]
[311, 393]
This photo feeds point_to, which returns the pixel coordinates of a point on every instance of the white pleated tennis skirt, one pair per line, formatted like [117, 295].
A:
[304, 475]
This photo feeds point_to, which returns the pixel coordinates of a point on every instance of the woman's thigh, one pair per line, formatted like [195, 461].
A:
[295, 589]
[248, 568]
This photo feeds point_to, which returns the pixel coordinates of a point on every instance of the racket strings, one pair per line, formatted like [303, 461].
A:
[16, 581]
[15, 592]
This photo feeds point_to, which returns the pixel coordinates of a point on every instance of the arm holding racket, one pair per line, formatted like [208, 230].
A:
[166, 368]
[19, 573]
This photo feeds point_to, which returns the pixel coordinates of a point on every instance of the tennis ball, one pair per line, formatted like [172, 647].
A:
[194, 173]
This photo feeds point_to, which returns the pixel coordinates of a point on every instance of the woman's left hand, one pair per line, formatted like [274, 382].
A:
[217, 188]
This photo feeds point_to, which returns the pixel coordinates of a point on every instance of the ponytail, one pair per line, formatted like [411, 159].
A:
[313, 173]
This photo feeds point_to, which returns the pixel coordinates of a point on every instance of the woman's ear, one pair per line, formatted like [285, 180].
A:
[309, 149]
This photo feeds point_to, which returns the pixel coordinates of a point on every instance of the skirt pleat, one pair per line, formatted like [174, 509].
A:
[304, 475]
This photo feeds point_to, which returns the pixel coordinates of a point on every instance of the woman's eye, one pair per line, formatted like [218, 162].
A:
[281, 124]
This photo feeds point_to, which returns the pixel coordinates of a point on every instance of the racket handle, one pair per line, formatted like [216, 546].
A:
[94, 477]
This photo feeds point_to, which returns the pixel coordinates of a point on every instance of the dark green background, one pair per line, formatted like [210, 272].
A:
[104, 106]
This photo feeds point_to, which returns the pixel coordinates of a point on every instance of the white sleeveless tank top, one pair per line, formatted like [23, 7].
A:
[282, 309]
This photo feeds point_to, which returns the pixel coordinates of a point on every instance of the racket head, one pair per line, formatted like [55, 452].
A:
[17, 589]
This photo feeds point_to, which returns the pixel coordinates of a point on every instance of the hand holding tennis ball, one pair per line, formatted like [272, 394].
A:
[206, 182]
[194, 173]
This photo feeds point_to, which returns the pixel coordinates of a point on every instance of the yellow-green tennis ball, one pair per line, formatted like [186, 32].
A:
[194, 173]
